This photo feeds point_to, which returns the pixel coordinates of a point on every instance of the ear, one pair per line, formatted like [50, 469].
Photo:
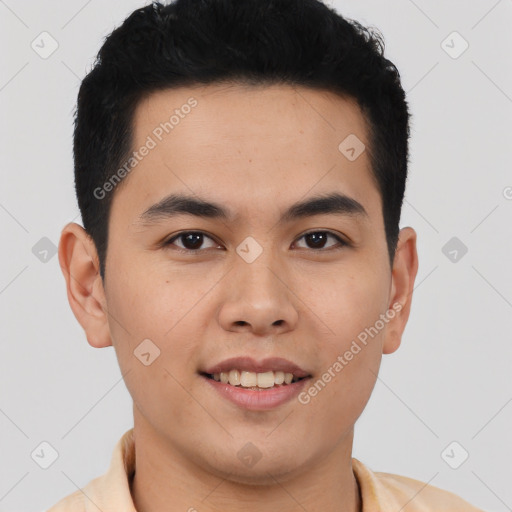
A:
[79, 263]
[405, 268]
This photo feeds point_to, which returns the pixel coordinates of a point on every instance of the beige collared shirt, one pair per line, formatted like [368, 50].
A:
[380, 492]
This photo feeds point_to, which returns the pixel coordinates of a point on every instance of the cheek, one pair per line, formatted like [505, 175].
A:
[349, 302]
[147, 312]
[151, 322]
[350, 353]
[351, 308]
[149, 298]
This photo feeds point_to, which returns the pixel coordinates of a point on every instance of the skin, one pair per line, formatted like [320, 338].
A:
[254, 150]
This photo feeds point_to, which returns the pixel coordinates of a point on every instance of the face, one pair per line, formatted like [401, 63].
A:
[287, 289]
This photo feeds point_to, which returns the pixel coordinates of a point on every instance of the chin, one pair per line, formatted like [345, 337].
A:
[259, 477]
[260, 470]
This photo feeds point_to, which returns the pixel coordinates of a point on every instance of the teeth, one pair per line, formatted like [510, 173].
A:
[248, 379]
[234, 377]
[265, 380]
[279, 377]
[251, 379]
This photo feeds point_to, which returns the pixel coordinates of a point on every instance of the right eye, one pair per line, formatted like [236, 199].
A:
[191, 240]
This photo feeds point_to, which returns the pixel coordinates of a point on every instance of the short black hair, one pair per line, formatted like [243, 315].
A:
[249, 42]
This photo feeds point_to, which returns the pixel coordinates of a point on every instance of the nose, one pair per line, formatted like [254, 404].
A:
[258, 299]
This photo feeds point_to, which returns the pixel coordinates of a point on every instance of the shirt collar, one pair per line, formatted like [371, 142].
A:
[112, 491]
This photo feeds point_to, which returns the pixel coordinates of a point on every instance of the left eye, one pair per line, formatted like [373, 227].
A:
[192, 240]
[319, 238]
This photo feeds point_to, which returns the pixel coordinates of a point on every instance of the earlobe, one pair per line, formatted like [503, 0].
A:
[405, 268]
[78, 260]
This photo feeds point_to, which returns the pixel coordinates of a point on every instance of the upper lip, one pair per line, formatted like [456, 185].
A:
[251, 365]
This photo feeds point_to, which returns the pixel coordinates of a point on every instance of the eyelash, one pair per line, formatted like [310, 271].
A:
[169, 242]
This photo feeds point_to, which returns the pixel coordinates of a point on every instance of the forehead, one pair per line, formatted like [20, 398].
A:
[246, 144]
[235, 112]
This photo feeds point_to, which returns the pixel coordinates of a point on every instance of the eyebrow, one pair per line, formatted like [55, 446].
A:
[179, 204]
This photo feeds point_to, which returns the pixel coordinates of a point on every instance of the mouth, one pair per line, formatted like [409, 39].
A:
[256, 381]
[256, 385]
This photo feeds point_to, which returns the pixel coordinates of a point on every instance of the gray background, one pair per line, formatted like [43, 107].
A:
[450, 379]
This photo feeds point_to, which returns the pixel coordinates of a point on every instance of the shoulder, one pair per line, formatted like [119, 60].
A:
[392, 492]
[110, 491]
[421, 494]
[72, 503]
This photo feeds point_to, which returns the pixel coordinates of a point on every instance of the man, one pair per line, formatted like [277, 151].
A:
[240, 169]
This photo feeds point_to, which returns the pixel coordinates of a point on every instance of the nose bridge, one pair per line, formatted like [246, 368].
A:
[258, 297]
[256, 270]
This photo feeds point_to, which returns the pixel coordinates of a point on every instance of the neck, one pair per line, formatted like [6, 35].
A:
[166, 479]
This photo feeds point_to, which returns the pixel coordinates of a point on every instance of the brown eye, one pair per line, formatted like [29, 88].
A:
[193, 241]
[190, 240]
[318, 239]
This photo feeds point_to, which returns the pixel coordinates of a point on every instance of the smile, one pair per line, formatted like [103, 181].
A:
[253, 380]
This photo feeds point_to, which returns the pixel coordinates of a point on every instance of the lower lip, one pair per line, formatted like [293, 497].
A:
[258, 400]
